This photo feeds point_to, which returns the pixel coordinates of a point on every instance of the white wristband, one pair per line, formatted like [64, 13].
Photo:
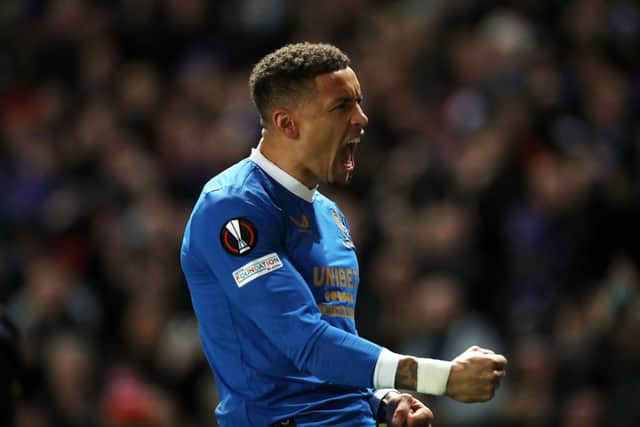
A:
[433, 376]
[384, 375]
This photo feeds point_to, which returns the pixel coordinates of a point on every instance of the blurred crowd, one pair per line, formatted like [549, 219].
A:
[495, 202]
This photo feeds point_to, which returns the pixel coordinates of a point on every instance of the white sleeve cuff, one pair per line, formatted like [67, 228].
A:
[433, 376]
[382, 392]
[384, 375]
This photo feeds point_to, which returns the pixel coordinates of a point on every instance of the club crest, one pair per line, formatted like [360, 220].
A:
[348, 242]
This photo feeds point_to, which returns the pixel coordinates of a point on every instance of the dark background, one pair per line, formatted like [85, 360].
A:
[495, 201]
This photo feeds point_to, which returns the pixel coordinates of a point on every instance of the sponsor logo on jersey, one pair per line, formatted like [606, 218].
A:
[335, 277]
[238, 236]
[256, 268]
[302, 223]
[336, 311]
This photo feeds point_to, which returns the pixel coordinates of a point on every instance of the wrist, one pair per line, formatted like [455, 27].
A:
[432, 376]
[383, 409]
[429, 376]
[384, 375]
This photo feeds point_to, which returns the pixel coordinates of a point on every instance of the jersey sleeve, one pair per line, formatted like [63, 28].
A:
[241, 241]
[376, 400]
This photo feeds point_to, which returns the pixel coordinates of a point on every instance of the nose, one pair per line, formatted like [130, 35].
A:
[359, 118]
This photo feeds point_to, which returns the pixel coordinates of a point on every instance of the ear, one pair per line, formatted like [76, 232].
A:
[283, 120]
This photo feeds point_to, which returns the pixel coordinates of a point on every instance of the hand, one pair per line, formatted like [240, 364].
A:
[475, 375]
[404, 410]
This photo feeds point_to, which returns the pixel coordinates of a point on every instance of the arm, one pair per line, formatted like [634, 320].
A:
[280, 303]
[276, 300]
[473, 376]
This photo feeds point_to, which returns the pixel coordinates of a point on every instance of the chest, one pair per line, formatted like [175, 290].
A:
[320, 246]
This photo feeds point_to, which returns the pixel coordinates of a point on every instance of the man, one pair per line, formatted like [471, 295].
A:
[273, 273]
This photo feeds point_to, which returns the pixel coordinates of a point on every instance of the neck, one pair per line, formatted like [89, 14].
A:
[282, 154]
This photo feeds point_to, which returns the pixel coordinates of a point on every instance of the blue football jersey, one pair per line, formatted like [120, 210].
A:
[273, 276]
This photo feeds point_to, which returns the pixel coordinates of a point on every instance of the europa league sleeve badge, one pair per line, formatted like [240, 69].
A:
[238, 236]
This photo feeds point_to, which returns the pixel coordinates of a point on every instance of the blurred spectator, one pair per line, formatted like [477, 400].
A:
[129, 401]
[496, 195]
[70, 376]
[531, 399]
[442, 327]
[585, 409]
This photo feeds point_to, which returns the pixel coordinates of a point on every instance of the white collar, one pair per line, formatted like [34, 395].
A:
[283, 178]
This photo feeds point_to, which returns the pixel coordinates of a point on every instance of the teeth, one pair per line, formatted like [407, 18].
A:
[354, 141]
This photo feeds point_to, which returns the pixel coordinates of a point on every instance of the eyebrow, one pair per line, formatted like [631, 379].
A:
[345, 99]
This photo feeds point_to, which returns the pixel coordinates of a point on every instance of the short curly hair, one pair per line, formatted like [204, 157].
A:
[283, 75]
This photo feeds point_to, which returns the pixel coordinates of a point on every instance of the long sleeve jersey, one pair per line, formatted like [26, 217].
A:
[273, 275]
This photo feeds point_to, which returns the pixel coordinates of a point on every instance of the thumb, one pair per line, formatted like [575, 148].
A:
[400, 414]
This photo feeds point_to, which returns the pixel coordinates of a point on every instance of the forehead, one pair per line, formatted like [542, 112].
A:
[339, 83]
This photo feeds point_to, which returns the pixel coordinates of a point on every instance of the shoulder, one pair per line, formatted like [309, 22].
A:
[239, 191]
[328, 205]
[236, 209]
[321, 200]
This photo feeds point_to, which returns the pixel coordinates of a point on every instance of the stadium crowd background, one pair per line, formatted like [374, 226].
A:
[495, 201]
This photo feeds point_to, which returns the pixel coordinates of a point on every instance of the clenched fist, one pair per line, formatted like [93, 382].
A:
[475, 375]
[404, 410]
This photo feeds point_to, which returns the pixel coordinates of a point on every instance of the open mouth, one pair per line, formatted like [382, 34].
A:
[350, 158]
